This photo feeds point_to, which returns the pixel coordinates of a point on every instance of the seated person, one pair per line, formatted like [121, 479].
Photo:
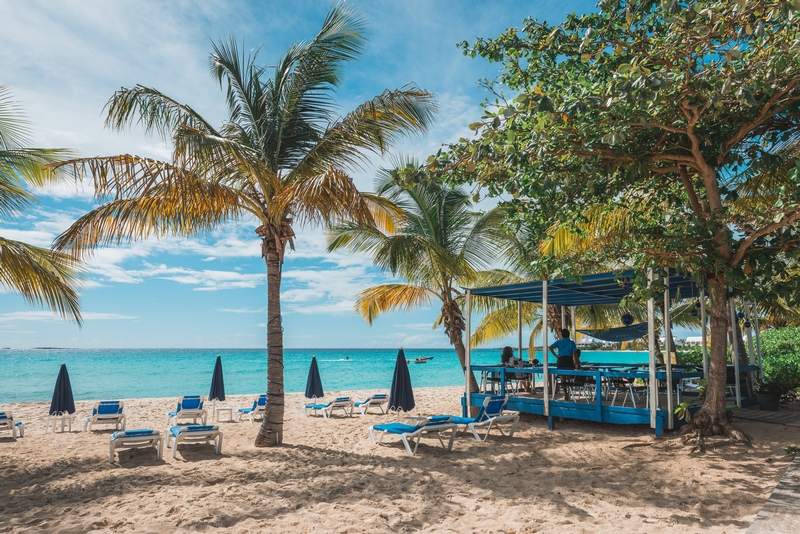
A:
[507, 359]
[577, 359]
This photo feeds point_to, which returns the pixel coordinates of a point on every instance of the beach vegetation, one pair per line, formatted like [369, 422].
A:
[42, 277]
[780, 354]
[438, 243]
[281, 159]
[673, 116]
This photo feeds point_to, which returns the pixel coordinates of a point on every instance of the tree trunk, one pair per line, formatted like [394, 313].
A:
[454, 327]
[712, 417]
[271, 431]
[461, 352]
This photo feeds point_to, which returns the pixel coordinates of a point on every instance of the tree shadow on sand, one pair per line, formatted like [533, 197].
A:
[413, 492]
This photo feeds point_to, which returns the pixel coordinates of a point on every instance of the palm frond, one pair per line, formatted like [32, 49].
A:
[43, 277]
[153, 110]
[180, 207]
[13, 128]
[372, 127]
[503, 321]
[325, 198]
[14, 198]
[401, 297]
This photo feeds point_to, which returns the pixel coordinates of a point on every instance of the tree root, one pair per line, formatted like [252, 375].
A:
[704, 426]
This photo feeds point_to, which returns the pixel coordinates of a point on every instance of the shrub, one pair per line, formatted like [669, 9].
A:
[691, 356]
[780, 352]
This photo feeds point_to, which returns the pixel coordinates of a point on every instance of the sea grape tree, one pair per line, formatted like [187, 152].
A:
[672, 119]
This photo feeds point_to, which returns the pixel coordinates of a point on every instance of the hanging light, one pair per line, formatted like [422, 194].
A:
[747, 324]
[697, 304]
[694, 313]
[740, 315]
[627, 319]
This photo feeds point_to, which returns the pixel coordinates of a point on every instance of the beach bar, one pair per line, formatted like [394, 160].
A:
[660, 384]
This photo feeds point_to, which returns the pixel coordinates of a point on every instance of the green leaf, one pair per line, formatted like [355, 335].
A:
[475, 126]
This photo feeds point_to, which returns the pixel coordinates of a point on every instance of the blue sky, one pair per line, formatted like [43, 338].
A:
[63, 60]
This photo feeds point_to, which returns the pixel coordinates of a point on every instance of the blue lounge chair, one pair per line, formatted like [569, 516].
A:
[135, 439]
[413, 433]
[259, 405]
[17, 428]
[194, 433]
[189, 407]
[491, 416]
[106, 413]
[377, 400]
[345, 404]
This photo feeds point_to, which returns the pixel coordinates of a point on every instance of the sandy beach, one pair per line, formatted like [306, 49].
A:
[328, 477]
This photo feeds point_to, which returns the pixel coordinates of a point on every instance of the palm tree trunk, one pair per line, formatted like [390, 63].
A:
[454, 327]
[271, 431]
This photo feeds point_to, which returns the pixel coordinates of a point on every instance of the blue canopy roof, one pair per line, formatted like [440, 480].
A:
[624, 333]
[606, 288]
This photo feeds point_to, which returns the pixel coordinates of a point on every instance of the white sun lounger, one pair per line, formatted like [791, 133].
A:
[258, 408]
[17, 428]
[345, 404]
[377, 400]
[189, 407]
[491, 416]
[413, 433]
[106, 413]
[135, 439]
[194, 433]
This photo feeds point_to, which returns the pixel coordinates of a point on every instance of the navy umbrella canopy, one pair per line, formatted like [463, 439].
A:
[401, 396]
[314, 382]
[62, 402]
[217, 392]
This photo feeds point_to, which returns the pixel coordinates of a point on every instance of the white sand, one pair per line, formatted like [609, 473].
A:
[327, 477]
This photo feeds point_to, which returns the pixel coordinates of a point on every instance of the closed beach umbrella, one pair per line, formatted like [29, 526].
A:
[314, 382]
[217, 392]
[401, 396]
[62, 395]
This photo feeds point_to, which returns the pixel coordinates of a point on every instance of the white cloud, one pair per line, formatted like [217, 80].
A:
[40, 316]
[242, 310]
[344, 306]
[415, 326]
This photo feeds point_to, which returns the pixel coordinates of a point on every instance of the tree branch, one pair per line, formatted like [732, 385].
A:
[786, 221]
[687, 184]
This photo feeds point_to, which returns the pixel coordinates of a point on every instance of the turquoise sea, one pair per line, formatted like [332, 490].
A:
[29, 375]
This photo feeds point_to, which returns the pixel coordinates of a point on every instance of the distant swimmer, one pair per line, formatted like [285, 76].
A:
[347, 357]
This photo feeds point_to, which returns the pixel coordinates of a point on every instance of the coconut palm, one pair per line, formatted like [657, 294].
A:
[438, 245]
[41, 276]
[280, 159]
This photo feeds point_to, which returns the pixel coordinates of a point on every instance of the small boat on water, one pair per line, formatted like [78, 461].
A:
[423, 359]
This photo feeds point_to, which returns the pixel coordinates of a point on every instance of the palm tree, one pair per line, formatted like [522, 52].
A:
[439, 244]
[281, 158]
[41, 276]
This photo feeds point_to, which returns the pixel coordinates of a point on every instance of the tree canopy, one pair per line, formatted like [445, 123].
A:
[663, 109]
[667, 125]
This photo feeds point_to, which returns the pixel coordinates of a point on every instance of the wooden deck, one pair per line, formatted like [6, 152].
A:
[781, 417]
[781, 513]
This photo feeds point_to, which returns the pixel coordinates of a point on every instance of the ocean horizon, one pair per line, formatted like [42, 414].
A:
[28, 375]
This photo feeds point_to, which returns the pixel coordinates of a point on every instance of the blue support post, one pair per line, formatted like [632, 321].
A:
[464, 406]
[550, 425]
[659, 425]
[502, 382]
[598, 397]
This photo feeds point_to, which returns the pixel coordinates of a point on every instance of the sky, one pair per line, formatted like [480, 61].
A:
[63, 60]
